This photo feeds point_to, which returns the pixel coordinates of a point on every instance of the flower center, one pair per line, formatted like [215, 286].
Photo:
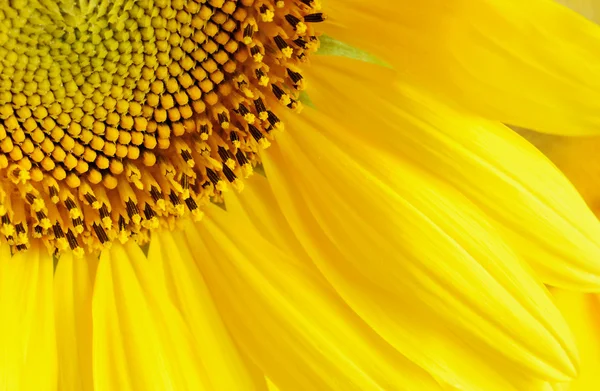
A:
[116, 116]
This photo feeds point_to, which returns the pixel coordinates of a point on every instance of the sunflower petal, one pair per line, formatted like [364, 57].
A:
[412, 239]
[582, 312]
[27, 340]
[220, 357]
[577, 158]
[140, 341]
[538, 211]
[272, 387]
[285, 316]
[490, 56]
[260, 204]
[73, 306]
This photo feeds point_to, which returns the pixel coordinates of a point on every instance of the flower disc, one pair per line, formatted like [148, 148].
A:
[116, 116]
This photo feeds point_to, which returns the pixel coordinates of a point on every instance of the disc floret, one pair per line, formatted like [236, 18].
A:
[117, 117]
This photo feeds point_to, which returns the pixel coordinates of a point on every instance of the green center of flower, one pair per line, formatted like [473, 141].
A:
[116, 116]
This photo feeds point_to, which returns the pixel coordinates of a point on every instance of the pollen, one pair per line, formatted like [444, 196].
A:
[119, 116]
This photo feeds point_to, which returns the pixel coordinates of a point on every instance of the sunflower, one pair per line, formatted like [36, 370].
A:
[396, 235]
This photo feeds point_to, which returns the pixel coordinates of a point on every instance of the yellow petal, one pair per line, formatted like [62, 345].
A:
[272, 387]
[528, 63]
[538, 211]
[582, 312]
[413, 240]
[227, 370]
[27, 337]
[140, 341]
[577, 158]
[423, 330]
[73, 308]
[286, 317]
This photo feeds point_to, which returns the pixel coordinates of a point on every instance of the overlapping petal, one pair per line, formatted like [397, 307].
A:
[413, 243]
[286, 317]
[528, 63]
[582, 312]
[140, 341]
[526, 197]
[577, 158]
[172, 259]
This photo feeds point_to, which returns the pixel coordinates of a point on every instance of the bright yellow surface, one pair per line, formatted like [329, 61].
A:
[582, 312]
[502, 174]
[73, 287]
[140, 340]
[27, 333]
[529, 63]
[579, 159]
